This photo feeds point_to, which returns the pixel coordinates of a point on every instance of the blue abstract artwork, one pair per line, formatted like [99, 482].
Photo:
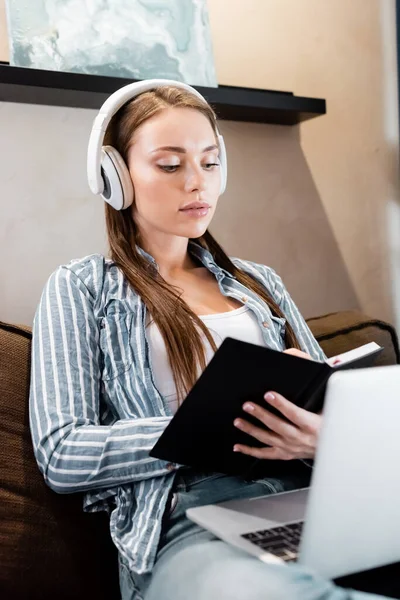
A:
[136, 39]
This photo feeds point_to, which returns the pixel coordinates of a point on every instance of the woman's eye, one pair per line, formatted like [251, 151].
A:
[173, 168]
[169, 168]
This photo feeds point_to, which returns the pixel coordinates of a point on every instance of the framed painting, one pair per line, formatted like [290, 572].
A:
[136, 39]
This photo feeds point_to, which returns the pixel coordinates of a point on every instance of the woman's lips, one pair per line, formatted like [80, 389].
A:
[196, 212]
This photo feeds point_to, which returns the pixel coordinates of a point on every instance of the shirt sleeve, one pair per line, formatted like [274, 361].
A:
[303, 333]
[275, 286]
[75, 453]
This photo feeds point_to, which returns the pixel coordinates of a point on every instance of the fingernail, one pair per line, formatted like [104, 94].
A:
[248, 407]
[269, 397]
[237, 423]
[236, 449]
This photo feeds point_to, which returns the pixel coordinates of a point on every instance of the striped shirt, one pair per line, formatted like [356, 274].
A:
[95, 411]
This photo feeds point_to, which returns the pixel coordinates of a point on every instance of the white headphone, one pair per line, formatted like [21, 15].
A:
[107, 172]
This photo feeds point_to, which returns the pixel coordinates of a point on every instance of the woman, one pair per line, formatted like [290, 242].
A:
[119, 341]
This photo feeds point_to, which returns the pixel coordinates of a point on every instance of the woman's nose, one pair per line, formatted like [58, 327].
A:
[194, 179]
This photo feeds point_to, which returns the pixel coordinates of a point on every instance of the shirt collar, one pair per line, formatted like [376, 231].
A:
[196, 250]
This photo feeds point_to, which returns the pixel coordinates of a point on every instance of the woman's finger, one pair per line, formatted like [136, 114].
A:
[279, 426]
[300, 417]
[263, 436]
[299, 353]
[263, 453]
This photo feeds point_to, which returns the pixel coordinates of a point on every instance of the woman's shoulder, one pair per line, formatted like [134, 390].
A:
[267, 275]
[95, 272]
[88, 267]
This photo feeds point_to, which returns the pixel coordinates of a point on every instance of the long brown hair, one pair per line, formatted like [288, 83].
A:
[179, 326]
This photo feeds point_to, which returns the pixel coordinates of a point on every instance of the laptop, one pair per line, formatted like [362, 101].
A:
[348, 520]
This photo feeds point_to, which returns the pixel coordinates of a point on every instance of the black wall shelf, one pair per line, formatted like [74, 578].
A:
[37, 86]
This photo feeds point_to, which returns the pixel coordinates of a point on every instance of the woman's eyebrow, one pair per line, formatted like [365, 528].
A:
[182, 150]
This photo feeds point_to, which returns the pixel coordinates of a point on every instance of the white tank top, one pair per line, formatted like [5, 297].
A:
[240, 323]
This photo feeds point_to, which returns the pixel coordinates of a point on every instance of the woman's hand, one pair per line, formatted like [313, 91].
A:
[299, 353]
[286, 441]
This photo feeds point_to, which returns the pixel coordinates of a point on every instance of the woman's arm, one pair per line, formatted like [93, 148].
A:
[287, 305]
[74, 451]
[297, 438]
[275, 286]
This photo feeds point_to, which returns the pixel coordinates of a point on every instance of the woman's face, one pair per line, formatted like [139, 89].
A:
[173, 163]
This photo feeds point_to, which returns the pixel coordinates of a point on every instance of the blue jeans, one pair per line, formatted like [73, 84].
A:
[192, 563]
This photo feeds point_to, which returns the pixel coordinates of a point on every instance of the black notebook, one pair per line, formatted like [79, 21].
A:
[202, 435]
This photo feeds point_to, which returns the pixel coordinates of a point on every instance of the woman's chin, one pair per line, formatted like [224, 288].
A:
[195, 231]
[192, 230]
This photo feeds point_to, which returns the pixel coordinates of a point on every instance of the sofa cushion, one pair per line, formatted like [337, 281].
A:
[345, 330]
[49, 548]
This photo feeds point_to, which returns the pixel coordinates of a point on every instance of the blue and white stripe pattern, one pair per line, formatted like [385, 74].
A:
[95, 411]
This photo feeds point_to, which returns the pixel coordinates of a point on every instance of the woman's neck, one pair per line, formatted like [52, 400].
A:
[172, 258]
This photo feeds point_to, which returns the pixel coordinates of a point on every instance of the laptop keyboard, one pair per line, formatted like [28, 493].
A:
[282, 541]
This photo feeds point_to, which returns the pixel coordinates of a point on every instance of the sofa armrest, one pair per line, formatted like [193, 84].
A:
[342, 331]
[49, 547]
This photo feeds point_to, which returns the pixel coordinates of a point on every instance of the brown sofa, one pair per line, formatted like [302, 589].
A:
[49, 548]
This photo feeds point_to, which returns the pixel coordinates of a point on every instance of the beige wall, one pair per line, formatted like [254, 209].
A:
[312, 201]
[341, 51]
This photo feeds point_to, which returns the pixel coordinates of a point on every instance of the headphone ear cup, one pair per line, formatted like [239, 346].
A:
[118, 188]
[223, 163]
